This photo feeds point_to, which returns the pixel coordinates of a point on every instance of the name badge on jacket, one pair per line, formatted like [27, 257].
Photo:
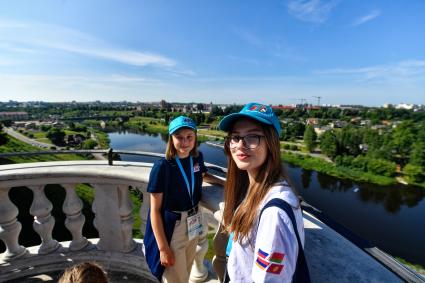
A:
[196, 168]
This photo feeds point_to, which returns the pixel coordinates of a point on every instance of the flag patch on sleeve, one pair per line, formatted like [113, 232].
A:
[270, 263]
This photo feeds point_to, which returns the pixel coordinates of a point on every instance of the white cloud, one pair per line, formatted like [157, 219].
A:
[274, 47]
[366, 18]
[403, 70]
[315, 11]
[27, 36]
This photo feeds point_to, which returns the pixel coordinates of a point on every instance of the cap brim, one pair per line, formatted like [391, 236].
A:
[227, 121]
[182, 126]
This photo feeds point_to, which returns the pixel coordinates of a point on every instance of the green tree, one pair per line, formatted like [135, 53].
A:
[414, 173]
[403, 137]
[56, 136]
[381, 167]
[349, 140]
[292, 130]
[200, 107]
[71, 126]
[89, 144]
[3, 136]
[216, 111]
[329, 144]
[7, 123]
[417, 155]
[309, 138]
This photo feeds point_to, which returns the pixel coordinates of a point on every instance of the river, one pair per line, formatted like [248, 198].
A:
[390, 217]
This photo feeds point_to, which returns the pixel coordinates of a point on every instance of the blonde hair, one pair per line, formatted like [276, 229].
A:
[85, 272]
[171, 150]
[241, 198]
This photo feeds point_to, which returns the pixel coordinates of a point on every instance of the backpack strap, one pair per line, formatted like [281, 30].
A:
[301, 273]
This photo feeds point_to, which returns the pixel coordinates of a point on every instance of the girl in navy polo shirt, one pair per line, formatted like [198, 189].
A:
[174, 221]
[261, 211]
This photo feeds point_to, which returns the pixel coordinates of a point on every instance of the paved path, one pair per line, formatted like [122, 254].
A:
[27, 140]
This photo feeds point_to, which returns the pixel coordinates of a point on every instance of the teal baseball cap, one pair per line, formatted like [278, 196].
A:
[256, 111]
[181, 122]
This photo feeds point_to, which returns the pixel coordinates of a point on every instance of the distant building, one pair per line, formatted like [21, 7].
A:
[338, 124]
[14, 116]
[312, 121]
[321, 130]
[405, 106]
[285, 107]
[30, 125]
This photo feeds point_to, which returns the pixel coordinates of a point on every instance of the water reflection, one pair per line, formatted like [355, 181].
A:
[392, 197]
[306, 178]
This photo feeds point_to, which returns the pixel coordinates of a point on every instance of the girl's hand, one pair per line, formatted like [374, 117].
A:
[166, 257]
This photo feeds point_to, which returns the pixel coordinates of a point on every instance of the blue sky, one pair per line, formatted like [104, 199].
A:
[277, 52]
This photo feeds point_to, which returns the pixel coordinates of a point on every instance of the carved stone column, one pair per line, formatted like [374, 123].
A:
[127, 221]
[146, 204]
[107, 220]
[44, 222]
[10, 227]
[220, 243]
[199, 271]
[74, 222]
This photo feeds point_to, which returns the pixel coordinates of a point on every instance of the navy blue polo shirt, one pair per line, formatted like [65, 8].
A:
[165, 177]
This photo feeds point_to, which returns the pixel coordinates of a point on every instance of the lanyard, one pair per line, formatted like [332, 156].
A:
[185, 177]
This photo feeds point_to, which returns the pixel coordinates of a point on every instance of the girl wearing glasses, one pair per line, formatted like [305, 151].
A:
[263, 245]
[174, 220]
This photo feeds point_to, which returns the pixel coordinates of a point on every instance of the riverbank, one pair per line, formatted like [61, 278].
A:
[322, 166]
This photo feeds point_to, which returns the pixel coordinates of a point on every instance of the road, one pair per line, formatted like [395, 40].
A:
[27, 140]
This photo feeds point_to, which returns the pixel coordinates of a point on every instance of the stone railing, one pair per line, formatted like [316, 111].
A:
[115, 248]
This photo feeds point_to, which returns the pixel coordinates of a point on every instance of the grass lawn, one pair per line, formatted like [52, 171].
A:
[14, 145]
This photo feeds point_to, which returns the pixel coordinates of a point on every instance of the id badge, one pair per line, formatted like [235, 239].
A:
[194, 225]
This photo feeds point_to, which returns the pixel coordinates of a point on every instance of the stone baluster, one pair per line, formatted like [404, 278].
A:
[146, 204]
[10, 227]
[44, 222]
[127, 221]
[220, 243]
[199, 271]
[74, 222]
[107, 217]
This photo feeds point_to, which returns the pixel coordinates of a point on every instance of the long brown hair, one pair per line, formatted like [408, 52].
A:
[241, 198]
[171, 150]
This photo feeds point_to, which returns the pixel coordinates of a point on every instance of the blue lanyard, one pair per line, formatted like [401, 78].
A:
[185, 177]
[229, 244]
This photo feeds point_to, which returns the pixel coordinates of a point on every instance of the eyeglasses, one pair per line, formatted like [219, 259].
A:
[248, 141]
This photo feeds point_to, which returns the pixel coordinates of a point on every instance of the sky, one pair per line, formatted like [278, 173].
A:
[221, 51]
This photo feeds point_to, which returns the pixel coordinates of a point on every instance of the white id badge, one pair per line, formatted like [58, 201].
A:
[194, 225]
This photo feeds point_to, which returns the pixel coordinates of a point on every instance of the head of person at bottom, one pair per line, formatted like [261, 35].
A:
[85, 272]
[182, 140]
[253, 155]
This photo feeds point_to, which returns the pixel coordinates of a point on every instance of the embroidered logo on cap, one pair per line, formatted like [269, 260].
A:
[258, 108]
[263, 109]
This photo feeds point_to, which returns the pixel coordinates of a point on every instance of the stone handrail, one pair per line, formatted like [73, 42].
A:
[113, 218]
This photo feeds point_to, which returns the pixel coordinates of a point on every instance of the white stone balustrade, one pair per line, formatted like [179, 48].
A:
[115, 247]
[10, 227]
[74, 222]
[43, 220]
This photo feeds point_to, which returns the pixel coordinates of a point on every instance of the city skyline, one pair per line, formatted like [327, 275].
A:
[276, 52]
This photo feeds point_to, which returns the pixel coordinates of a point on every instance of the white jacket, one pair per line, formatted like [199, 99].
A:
[274, 256]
